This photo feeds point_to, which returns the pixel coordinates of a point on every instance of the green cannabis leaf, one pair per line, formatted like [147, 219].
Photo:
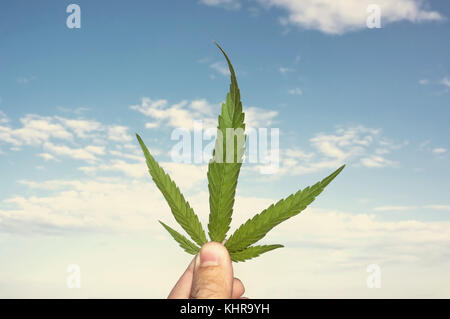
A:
[184, 243]
[223, 173]
[252, 252]
[181, 210]
[256, 228]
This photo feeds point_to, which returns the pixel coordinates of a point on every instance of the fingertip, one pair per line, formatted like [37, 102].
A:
[238, 288]
[213, 254]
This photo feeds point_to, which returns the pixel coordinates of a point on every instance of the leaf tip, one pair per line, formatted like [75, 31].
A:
[339, 170]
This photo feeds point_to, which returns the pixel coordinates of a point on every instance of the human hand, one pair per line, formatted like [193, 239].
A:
[209, 276]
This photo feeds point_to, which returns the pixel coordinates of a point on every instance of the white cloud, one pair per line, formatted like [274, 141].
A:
[394, 208]
[337, 17]
[151, 125]
[221, 68]
[118, 133]
[357, 145]
[376, 161]
[88, 153]
[426, 146]
[227, 4]
[256, 117]
[439, 150]
[295, 91]
[445, 81]
[81, 128]
[284, 70]
[25, 79]
[134, 156]
[48, 157]
[98, 204]
[80, 205]
[76, 111]
[298, 153]
[38, 129]
[6, 135]
[439, 207]
[202, 107]
[185, 113]
[334, 17]
[62, 136]
[184, 175]
[328, 250]
[176, 115]
[3, 118]
[424, 81]
[399, 208]
[135, 170]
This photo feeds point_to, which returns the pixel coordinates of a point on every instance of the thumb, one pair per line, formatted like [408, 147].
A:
[213, 273]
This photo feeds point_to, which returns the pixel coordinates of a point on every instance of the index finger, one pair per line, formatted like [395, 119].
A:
[182, 288]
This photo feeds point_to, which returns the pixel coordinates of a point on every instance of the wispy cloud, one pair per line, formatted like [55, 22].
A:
[358, 145]
[135, 169]
[285, 70]
[439, 207]
[400, 208]
[76, 111]
[220, 67]
[295, 91]
[56, 136]
[82, 128]
[394, 208]
[445, 82]
[439, 150]
[3, 118]
[25, 79]
[88, 153]
[48, 157]
[179, 115]
[119, 133]
[376, 161]
[35, 130]
[185, 113]
[227, 4]
[256, 117]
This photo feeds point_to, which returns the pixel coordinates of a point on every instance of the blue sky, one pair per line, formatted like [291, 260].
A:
[375, 99]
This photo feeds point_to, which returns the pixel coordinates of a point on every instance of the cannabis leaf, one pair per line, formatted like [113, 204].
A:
[181, 210]
[252, 252]
[257, 227]
[223, 169]
[223, 172]
[184, 243]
